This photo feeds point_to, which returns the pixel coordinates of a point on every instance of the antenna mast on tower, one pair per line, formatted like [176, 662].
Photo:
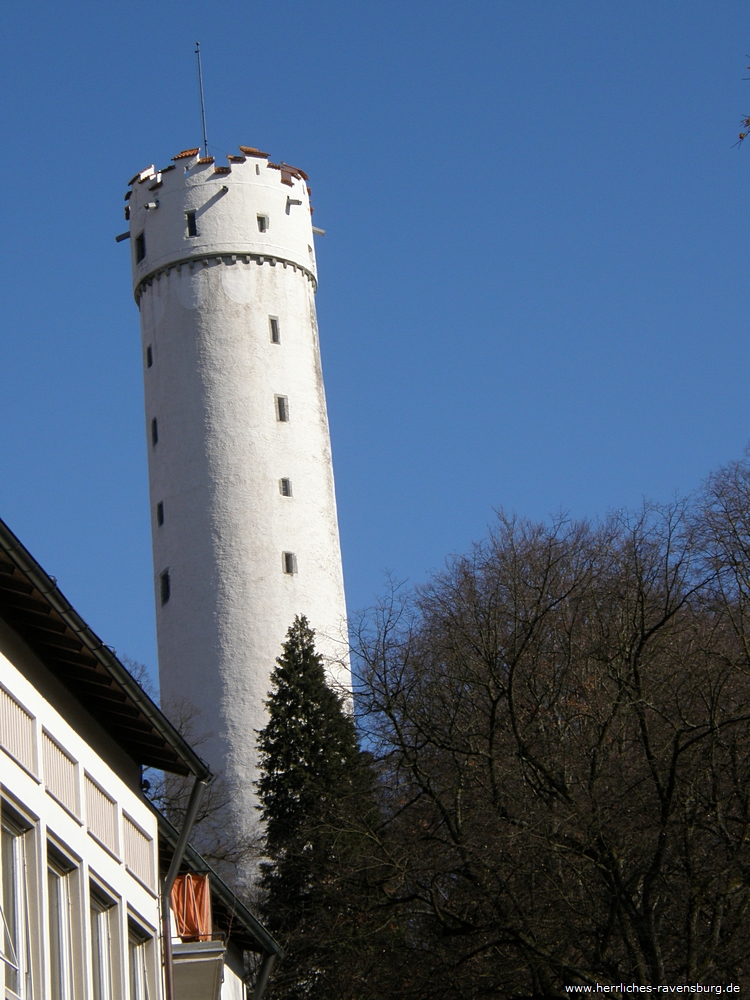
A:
[203, 106]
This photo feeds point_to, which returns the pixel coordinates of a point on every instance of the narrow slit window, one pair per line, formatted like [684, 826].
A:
[160, 513]
[192, 227]
[273, 322]
[289, 563]
[140, 247]
[165, 586]
[262, 223]
[282, 409]
[149, 356]
[285, 487]
[154, 431]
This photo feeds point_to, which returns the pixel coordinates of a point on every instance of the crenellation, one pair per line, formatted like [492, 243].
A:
[224, 218]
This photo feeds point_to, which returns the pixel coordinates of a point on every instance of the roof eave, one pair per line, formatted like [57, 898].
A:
[47, 587]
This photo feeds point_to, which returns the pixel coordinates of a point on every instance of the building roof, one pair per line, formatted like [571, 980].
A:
[230, 914]
[33, 606]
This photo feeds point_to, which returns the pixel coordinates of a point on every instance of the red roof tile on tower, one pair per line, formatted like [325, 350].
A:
[142, 175]
[289, 169]
[252, 151]
[295, 171]
[187, 152]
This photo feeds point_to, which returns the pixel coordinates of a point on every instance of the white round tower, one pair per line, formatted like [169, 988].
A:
[243, 509]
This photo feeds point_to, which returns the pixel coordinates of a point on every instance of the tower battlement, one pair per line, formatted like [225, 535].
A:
[194, 210]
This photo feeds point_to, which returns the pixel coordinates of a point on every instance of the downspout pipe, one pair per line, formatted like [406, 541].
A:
[263, 973]
[194, 802]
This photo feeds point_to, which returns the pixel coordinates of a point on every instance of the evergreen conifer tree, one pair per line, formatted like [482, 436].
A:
[315, 791]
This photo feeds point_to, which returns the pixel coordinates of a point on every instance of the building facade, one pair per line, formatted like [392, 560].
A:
[85, 859]
[244, 524]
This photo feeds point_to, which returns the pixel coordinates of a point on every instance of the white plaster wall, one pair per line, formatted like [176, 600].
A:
[226, 207]
[233, 985]
[26, 792]
[221, 452]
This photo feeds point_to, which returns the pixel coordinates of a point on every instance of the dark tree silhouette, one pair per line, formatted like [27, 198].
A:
[315, 790]
[563, 724]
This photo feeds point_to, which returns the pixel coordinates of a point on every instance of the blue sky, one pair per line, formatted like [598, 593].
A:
[532, 286]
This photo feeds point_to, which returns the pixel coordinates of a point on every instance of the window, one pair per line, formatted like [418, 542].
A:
[273, 322]
[289, 562]
[165, 586]
[149, 356]
[192, 229]
[102, 914]
[160, 513]
[285, 487]
[140, 247]
[262, 223]
[154, 431]
[139, 962]
[282, 408]
[60, 900]
[15, 964]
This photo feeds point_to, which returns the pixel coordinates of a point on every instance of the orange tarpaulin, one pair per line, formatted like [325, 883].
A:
[191, 906]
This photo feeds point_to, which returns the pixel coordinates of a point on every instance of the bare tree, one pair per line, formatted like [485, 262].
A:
[562, 720]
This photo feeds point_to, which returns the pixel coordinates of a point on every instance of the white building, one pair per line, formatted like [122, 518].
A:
[245, 533]
[81, 886]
